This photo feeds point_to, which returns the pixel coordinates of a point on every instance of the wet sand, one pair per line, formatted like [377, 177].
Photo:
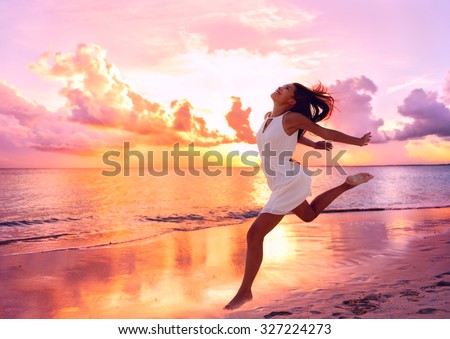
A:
[378, 264]
[415, 285]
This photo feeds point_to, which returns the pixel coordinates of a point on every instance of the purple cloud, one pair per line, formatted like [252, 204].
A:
[353, 99]
[431, 117]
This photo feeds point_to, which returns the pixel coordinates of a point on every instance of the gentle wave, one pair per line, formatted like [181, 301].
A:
[35, 222]
[178, 218]
[216, 216]
[369, 209]
[243, 215]
[45, 237]
[74, 248]
[175, 218]
[225, 219]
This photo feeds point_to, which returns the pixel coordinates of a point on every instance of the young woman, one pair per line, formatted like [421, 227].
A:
[296, 109]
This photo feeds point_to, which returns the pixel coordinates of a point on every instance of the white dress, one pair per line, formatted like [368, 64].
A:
[287, 180]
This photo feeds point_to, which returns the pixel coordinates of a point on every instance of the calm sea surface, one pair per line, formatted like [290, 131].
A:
[55, 209]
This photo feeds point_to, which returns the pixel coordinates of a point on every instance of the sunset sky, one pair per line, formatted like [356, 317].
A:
[78, 78]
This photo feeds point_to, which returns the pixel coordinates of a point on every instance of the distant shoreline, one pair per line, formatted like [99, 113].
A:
[235, 167]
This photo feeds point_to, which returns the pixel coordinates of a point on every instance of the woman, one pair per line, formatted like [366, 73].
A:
[296, 109]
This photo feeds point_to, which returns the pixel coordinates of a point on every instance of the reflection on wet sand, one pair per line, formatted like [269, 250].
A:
[175, 276]
[193, 274]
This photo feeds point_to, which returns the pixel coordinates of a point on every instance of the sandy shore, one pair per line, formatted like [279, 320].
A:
[415, 285]
[379, 264]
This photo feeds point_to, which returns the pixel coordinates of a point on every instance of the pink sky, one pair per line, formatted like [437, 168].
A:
[80, 78]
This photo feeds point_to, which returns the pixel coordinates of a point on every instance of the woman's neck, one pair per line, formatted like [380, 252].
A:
[279, 110]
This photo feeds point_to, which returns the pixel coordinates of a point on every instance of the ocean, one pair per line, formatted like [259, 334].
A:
[65, 209]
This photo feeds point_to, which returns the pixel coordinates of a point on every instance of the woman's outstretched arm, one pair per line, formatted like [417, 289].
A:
[294, 121]
[326, 145]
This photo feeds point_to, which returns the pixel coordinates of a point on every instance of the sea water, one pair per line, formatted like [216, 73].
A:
[60, 209]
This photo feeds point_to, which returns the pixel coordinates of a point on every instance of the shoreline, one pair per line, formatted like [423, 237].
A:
[119, 239]
[137, 168]
[363, 259]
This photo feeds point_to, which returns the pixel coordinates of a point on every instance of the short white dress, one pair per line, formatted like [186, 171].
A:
[287, 180]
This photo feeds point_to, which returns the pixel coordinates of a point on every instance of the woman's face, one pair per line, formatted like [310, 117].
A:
[284, 94]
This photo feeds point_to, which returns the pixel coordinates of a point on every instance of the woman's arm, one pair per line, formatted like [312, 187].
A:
[294, 121]
[326, 145]
[305, 141]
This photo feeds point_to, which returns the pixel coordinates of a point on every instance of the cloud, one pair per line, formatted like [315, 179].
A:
[185, 121]
[102, 111]
[16, 106]
[446, 89]
[182, 121]
[11, 128]
[98, 96]
[238, 120]
[27, 124]
[396, 88]
[96, 93]
[431, 117]
[353, 99]
[272, 17]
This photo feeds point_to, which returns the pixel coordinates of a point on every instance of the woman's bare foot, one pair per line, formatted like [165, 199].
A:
[357, 179]
[239, 300]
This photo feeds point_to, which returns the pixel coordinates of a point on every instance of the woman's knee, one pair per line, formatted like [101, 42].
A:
[305, 212]
[306, 216]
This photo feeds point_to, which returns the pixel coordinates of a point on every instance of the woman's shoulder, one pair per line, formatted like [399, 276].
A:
[294, 115]
[295, 120]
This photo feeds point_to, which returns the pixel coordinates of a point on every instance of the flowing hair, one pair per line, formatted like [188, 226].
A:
[315, 103]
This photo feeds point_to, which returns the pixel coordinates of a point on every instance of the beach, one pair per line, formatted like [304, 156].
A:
[369, 264]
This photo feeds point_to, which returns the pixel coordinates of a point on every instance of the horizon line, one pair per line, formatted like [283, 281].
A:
[237, 167]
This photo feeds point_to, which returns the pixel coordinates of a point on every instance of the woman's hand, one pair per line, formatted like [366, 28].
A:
[365, 139]
[326, 145]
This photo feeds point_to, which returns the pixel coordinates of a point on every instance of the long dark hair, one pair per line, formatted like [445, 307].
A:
[315, 103]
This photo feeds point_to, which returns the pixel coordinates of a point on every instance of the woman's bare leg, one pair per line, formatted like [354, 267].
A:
[308, 212]
[263, 224]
